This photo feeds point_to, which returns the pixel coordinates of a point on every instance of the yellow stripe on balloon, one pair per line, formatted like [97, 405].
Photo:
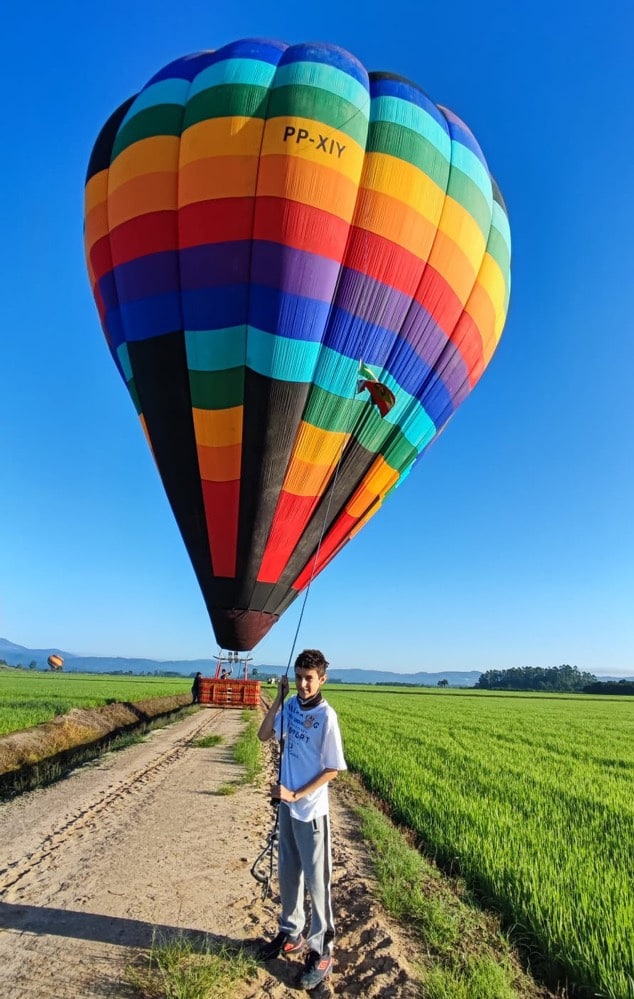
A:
[157, 154]
[230, 136]
[373, 486]
[492, 279]
[341, 153]
[404, 181]
[462, 228]
[315, 455]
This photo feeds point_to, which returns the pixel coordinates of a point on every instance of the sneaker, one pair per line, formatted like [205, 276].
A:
[282, 944]
[318, 967]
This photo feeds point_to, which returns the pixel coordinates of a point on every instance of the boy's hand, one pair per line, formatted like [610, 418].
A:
[282, 689]
[281, 793]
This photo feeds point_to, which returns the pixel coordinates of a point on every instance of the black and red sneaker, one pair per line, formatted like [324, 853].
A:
[283, 944]
[316, 969]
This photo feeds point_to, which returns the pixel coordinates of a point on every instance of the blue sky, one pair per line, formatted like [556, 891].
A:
[530, 490]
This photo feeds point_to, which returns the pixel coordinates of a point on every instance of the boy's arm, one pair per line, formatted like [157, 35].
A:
[267, 728]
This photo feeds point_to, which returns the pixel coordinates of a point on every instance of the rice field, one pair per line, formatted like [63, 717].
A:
[529, 797]
[29, 698]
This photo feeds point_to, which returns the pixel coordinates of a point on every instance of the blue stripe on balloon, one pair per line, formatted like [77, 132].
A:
[149, 317]
[414, 117]
[166, 92]
[468, 163]
[292, 316]
[326, 77]
[406, 91]
[216, 350]
[123, 356]
[462, 134]
[331, 55]
[252, 72]
[189, 67]
[215, 308]
[282, 359]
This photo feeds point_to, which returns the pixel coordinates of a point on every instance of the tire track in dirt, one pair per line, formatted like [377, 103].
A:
[107, 800]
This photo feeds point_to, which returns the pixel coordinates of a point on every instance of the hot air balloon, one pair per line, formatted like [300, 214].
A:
[263, 223]
[55, 662]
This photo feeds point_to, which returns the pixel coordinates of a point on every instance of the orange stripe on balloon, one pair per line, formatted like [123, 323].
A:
[217, 177]
[307, 182]
[156, 154]
[155, 192]
[219, 464]
[386, 216]
[449, 260]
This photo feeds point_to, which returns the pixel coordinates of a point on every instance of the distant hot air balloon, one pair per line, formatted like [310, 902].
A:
[55, 662]
[265, 224]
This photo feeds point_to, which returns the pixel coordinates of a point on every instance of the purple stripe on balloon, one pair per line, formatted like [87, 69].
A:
[378, 305]
[294, 272]
[141, 278]
[215, 265]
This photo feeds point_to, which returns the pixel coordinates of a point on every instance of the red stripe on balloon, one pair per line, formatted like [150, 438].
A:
[221, 501]
[218, 221]
[291, 516]
[301, 226]
[336, 538]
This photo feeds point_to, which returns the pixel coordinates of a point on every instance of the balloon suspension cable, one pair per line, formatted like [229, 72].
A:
[260, 871]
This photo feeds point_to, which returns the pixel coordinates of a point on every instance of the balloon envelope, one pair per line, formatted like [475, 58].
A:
[259, 220]
[55, 662]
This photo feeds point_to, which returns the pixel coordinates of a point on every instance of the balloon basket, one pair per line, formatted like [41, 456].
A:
[229, 693]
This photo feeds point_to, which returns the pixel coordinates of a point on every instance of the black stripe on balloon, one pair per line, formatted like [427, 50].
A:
[101, 155]
[272, 414]
[161, 378]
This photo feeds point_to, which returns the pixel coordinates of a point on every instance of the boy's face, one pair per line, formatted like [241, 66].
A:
[308, 682]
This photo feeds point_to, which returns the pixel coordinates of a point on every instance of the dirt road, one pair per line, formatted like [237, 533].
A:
[141, 840]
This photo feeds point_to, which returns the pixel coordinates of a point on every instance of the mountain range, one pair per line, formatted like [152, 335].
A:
[19, 655]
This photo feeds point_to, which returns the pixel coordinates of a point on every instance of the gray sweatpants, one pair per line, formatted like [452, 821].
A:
[304, 858]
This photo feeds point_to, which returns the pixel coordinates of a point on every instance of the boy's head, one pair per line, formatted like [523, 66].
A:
[310, 673]
[312, 659]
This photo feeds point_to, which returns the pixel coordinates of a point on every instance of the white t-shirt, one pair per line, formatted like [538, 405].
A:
[312, 744]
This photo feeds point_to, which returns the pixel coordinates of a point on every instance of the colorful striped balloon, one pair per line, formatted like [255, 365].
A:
[259, 221]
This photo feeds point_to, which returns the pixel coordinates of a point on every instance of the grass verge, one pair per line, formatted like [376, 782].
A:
[182, 967]
[464, 953]
[247, 750]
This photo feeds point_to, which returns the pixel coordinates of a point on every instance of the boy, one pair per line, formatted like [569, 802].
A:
[311, 758]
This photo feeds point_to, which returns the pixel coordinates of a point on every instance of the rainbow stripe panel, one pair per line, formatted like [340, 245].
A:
[259, 219]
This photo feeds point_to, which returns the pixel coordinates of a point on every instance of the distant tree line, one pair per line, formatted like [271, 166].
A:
[610, 687]
[557, 679]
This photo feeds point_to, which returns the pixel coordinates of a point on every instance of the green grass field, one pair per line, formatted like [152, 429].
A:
[28, 698]
[529, 797]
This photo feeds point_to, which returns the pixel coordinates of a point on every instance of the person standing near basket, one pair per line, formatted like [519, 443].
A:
[312, 756]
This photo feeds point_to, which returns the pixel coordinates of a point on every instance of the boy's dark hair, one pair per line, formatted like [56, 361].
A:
[312, 659]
